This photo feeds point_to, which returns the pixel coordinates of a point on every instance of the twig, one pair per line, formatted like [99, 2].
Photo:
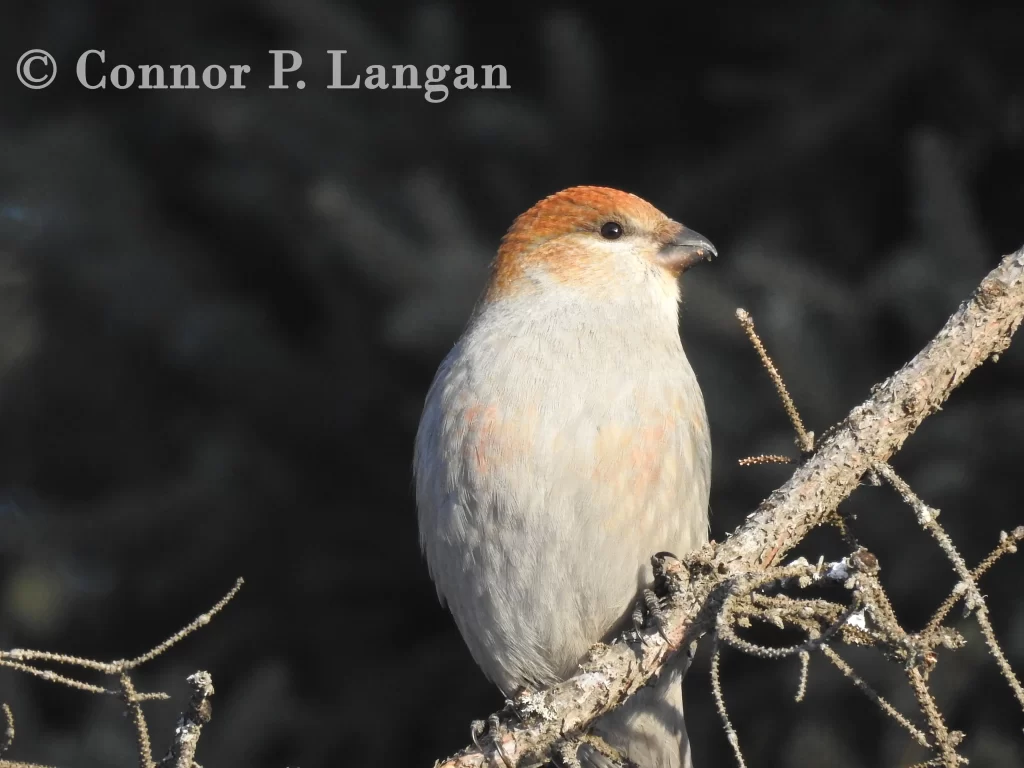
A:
[8, 729]
[200, 621]
[981, 615]
[928, 519]
[186, 734]
[804, 439]
[943, 738]
[765, 458]
[1007, 545]
[53, 677]
[716, 690]
[805, 668]
[872, 694]
[131, 702]
[190, 725]
[968, 585]
[8, 740]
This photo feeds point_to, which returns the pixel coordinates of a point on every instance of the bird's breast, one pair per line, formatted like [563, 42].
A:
[552, 462]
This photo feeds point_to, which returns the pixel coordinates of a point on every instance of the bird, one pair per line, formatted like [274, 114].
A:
[563, 441]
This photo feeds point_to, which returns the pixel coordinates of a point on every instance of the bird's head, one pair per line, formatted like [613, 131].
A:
[598, 241]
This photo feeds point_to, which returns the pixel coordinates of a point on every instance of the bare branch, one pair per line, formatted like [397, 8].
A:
[131, 703]
[1007, 545]
[182, 750]
[968, 585]
[872, 694]
[716, 689]
[200, 621]
[946, 743]
[765, 458]
[804, 439]
[981, 328]
[873, 431]
[190, 725]
[8, 729]
[8, 740]
[805, 668]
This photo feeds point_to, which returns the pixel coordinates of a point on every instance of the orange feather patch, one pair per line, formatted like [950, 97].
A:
[577, 209]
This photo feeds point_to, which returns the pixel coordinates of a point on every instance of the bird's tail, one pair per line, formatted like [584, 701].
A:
[648, 730]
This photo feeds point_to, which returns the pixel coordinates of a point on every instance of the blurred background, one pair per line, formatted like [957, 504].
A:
[220, 312]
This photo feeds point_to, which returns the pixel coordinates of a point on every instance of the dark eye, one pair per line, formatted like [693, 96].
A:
[611, 230]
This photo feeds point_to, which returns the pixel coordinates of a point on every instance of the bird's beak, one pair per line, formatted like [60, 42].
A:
[685, 250]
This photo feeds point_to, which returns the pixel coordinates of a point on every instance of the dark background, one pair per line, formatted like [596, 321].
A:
[220, 312]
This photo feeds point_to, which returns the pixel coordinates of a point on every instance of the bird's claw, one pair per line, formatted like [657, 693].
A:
[656, 614]
[638, 621]
[647, 612]
[477, 728]
[486, 735]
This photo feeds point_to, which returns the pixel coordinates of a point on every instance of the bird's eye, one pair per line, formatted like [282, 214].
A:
[611, 230]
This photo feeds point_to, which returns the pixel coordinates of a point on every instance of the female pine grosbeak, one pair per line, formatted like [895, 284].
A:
[563, 442]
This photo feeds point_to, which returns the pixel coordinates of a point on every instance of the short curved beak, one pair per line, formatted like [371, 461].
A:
[685, 250]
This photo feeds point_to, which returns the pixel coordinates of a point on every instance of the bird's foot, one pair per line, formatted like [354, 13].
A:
[648, 612]
[486, 735]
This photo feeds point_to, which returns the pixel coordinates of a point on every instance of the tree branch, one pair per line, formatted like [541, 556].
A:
[981, 328]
